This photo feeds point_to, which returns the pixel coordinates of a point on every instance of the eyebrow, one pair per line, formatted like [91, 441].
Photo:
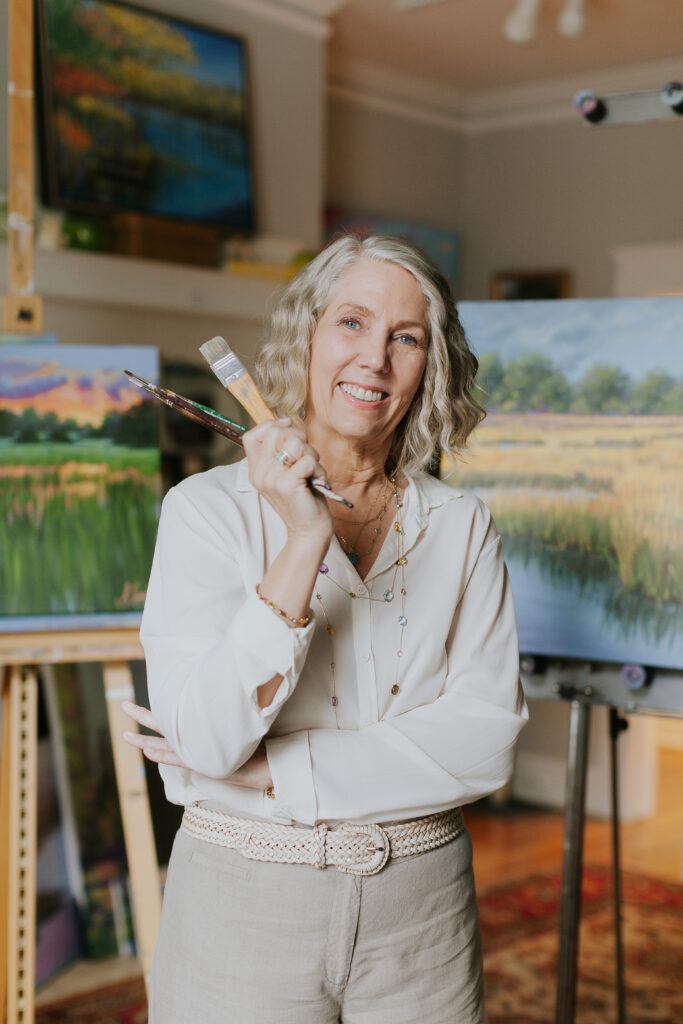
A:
[357, 307]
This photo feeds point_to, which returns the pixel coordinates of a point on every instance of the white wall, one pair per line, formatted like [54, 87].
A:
[545, 196]
[385, 164]
[563, 196]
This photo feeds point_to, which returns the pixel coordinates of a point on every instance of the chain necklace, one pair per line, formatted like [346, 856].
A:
[386, 598]
[352, 553]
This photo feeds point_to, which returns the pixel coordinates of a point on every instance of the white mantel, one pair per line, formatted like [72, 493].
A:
[68, 275]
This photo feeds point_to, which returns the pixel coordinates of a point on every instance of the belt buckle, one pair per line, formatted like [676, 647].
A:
[380, 854]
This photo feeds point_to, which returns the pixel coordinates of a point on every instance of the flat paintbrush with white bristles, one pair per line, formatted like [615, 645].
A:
[234, 377]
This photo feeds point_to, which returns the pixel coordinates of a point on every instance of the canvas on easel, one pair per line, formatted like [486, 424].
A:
[79, 485]
[580, 460]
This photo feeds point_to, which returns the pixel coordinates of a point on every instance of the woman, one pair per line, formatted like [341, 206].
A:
[332, 684]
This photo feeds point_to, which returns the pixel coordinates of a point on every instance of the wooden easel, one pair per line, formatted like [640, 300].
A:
[22, 310]
[20, 656]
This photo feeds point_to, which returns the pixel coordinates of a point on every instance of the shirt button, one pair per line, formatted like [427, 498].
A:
[395, 689]
[361, 589]
[366, 657]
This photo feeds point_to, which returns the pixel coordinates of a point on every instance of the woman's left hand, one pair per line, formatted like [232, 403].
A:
[254, 773]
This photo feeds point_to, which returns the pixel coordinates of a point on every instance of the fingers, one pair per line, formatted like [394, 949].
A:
[277, 449]
[141, 715]
[154, 748]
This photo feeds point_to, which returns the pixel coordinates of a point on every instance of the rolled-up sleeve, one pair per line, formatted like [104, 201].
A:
[452, 751]
[210, 643]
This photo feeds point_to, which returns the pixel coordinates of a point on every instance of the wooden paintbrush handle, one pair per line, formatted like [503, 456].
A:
[247, 394]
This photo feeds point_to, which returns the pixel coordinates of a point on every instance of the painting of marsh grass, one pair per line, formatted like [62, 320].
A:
[580, 460]
[79, 485]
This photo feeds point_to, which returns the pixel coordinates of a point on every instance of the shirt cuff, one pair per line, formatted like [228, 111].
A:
[289, 760]
[275, 646]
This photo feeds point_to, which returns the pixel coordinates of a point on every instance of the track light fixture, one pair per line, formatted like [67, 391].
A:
[672, 97]
[631, 107]
[590, 106]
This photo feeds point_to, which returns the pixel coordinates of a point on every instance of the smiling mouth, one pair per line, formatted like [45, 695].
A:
[364, 394]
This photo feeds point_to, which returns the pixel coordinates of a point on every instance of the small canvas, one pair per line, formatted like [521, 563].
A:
[79, 485]
[580, 459]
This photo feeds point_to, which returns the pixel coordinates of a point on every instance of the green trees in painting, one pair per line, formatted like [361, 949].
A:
[532, 383]
[137, 427]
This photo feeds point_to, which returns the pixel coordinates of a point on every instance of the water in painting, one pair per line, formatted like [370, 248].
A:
[144, 112]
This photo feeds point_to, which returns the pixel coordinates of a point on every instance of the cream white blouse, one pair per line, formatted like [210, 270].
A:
[444, 739]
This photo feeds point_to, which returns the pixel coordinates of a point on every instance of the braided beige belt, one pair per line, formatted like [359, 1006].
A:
[354, 849]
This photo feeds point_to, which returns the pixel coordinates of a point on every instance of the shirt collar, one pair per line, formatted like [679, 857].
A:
[423, 493]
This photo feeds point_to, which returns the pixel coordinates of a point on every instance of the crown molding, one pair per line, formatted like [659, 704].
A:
[308, 16]
[543, 102]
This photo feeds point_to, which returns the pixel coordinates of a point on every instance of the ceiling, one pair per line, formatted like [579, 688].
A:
[458, 44]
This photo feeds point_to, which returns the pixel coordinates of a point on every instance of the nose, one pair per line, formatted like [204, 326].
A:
[375, 352]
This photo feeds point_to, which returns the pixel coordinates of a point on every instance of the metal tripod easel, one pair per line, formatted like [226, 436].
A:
[628, 689]
[572, 862]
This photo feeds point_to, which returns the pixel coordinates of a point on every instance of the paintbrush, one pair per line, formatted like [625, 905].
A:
[208, 417]
[233, 376]
[193, 410]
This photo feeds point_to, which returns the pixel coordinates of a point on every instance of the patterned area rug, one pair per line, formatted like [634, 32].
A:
[519, 925]
[520, 933]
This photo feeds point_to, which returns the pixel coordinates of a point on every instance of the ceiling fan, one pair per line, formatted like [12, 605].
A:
[521, 24]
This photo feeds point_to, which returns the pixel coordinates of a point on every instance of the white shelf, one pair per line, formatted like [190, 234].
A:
[75, 276]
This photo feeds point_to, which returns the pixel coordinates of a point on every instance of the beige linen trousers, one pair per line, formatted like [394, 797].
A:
[246, 942]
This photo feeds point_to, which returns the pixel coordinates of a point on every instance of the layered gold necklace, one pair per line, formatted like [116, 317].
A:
[351, 548]
[399, 577]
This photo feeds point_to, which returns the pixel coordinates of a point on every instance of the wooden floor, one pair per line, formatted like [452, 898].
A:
[508, 845]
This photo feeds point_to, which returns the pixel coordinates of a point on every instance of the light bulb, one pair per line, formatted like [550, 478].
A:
[521, 24]
[572, 20]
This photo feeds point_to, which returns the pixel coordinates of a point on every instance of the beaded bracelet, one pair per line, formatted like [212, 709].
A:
[303, 621]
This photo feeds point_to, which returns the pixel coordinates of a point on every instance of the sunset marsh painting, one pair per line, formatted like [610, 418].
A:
[79, 485]
[580, 459]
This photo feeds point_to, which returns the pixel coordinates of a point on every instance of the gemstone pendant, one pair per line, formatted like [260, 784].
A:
[402, 620]
[352, 557]
[334, 702]
[388, 595]
[323, 569]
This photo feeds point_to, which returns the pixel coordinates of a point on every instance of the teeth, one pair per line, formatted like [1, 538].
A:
[362, 393]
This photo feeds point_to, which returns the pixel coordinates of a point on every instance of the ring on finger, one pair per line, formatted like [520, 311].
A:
[284, 458]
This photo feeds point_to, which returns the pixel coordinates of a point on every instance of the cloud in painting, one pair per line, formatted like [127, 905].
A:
[19, 379]
[69, 382]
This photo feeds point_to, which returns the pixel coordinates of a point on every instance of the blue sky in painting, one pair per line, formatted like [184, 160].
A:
[219, 57]
[141, 359]
[638, 335]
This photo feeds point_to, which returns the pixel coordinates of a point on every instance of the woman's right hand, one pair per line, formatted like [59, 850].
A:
[303, 510]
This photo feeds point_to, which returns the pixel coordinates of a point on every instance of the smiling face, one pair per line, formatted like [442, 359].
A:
[368, 355]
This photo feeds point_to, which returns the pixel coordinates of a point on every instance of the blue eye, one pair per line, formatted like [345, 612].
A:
[349, 321]
[407, 339]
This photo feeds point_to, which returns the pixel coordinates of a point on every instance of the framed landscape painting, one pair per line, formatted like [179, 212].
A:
[142, 111]
[580, 460]
[79, 485]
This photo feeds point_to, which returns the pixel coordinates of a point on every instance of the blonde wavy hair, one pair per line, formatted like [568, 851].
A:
[443, 412]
